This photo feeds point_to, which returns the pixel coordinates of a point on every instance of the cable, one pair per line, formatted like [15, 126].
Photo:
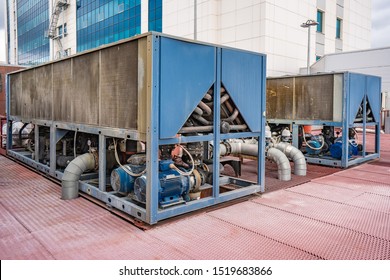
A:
[314, 148]
[173, 166]
[74, 143]
[127, 170]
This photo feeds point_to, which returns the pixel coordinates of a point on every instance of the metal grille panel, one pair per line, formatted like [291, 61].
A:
[42, 102]
[320, 239]
[119, 86]
[207, 237]
[62, 92]
[364, 221]
[280, 98]
[314, 98]
[85, 89]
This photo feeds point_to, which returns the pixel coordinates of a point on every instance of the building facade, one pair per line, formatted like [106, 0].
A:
[266, 26]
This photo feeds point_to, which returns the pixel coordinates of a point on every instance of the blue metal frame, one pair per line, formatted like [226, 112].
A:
[165, 117]
[357, 89]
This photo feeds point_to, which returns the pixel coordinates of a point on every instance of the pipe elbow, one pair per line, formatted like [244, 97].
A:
[300, 167]
[72, 173]
[284, 168]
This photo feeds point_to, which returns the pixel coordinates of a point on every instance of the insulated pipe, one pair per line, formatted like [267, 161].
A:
[72, 173]
[284, 168]
[295, 155]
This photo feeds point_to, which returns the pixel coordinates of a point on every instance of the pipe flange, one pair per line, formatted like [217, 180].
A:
[198, 180]
[228, 148]
[205, 167]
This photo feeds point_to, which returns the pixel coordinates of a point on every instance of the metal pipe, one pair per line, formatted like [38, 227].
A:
[192, 129]
[205, 108]
[72, 173]
[20, 133]
[208, 97]
[224, 98]
[208, 128]
[238, 127]
[201, 119]
[232, 117]
[295, 155]
[198, 111]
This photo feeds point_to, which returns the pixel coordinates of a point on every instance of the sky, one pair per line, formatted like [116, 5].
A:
[380, 33]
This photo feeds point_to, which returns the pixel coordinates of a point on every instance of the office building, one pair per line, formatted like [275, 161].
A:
[44, 30]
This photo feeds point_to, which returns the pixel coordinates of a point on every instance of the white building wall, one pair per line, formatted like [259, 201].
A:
[357, 25]
[371, 62]
[69, 42]
[272, 27]
[144, 16]
[12, 57]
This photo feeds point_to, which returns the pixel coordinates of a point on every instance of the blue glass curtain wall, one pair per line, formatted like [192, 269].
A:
[105, 21]
[155, 15]
[33, 21]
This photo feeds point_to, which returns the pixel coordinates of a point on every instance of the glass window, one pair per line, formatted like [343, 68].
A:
[33, 22]
[338, 28]
[318, 57]
[155, 15]
[112, 20]
[320, 20]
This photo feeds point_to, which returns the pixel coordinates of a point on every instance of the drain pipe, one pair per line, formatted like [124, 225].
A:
[284, 168]
[295, 155]
[72, 173]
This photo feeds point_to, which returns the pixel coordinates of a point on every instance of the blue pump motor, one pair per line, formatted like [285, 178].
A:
[123, 182]
[314, 142]
[173, 187]
[336, 149]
